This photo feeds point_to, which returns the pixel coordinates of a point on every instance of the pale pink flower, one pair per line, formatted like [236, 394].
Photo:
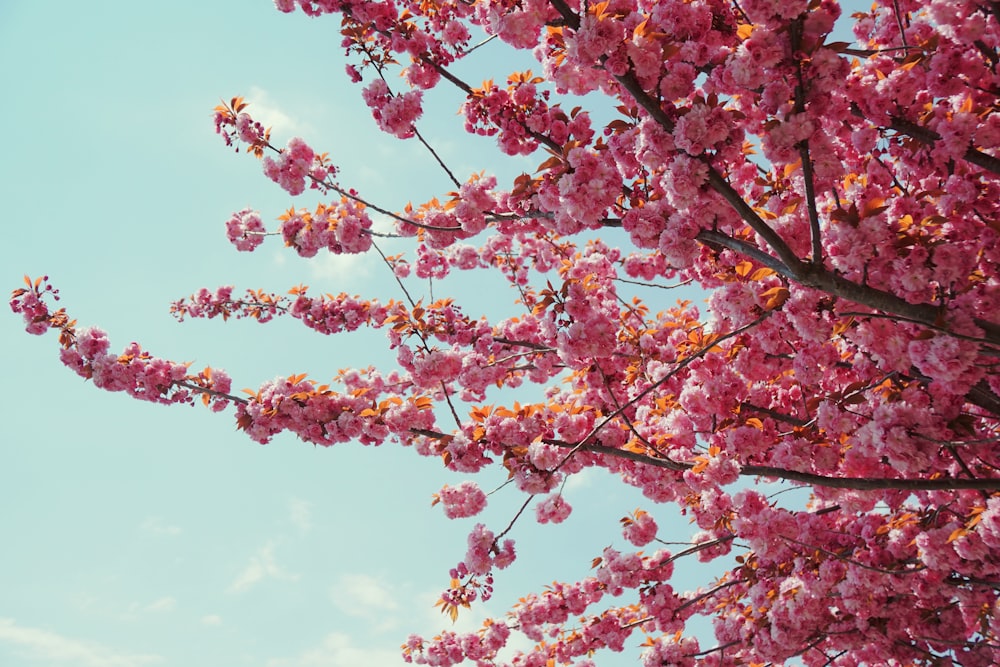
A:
[464, 500]
[554, 509]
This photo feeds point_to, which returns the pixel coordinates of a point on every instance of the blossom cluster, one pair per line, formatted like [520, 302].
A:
[463, 500]
[87, 352]
[338, 228]
[294, 165]
[395, 114]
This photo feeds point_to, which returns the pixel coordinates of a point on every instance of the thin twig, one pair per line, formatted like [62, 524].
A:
[437, 157]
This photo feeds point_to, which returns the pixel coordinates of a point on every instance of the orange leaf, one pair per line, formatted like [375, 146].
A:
[873, 207]
[762, 273]
[764, 213]
[551, 163]
[842, 325]
[776, 297]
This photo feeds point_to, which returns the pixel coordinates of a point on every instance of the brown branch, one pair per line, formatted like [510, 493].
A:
[795, 33]
[211, 392]
[524, 343]
[467, 89]
[983, 397]
[856, 483]
[436, 157]
[793, 267]
[714, 238]
[923, 313]
[871, 568]
[716, 181]
[935, 327]
[774, 414]
[928, 137]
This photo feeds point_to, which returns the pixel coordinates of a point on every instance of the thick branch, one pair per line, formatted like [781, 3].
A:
[714, 238]
[825, 280]
[787, 262]
[857, 483]
[715, 180]
[982, 396]
[928, 137]
[524, 343]
[886, 302]
[211, 392]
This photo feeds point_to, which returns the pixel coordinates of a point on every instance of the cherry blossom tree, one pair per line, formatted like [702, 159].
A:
[839, 201]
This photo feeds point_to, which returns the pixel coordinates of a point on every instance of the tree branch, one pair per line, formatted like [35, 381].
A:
[856, 483]
[795, 33]
[714, 238]
[715, 180]
[928, 137]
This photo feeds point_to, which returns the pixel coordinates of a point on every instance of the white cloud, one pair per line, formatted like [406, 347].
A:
[163, 604]
[267, 112]
[157, 526]
[365, 596]
[338, 650]
[337, 269]
[53, 649]
[299, 512]
[211, 620]
[579, 480]
[261, 566]
[334, 273]
[159, 606]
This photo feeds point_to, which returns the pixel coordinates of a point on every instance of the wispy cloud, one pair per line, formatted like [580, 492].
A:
[338, 650]
[300, 514]
[161, 605]
[364, 595]
[331, 273]
[54, 649]
[157, 526]
[579, 480]
[338, 272]
[268, 112]
[262, 565]
[212, 620]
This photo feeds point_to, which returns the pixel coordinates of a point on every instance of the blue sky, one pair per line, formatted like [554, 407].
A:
[137, 534]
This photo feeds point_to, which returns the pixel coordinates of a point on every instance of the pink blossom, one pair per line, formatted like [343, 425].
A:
[701, 129]
[245, 230]
[554, 509]
[395, 114]
[293, 166]
[464, 500]
[640, 528]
